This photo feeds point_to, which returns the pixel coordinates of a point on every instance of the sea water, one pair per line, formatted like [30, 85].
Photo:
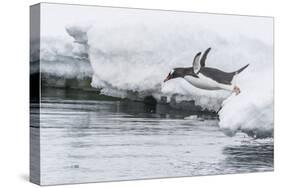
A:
[105, 140]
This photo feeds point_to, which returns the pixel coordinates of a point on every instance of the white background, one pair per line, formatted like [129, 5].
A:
[14, 88]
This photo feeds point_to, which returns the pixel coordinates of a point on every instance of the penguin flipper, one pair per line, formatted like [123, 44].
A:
[204, 57]
[196, 63]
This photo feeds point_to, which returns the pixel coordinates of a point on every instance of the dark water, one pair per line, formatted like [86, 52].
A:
[103, 140]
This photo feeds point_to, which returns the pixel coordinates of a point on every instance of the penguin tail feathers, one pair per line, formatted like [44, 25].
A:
[241, 69]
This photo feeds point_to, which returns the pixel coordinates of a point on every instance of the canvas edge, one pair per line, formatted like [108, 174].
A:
[34, 96]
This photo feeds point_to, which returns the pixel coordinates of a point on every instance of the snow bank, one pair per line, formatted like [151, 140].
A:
[135, 58]
[131, 58]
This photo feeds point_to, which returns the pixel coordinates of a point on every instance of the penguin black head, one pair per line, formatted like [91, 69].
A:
[179, 73]
[170, 76]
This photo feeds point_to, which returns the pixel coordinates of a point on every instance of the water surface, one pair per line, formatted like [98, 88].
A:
[104, 140]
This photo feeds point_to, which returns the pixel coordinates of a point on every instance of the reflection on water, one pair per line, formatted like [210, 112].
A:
[102, 140]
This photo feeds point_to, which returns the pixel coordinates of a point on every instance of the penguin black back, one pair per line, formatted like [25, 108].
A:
[217, 75]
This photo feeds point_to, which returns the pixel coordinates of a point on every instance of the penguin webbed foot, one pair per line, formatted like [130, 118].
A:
[236, 90]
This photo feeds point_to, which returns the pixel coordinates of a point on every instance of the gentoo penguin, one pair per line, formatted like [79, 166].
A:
[204, 77]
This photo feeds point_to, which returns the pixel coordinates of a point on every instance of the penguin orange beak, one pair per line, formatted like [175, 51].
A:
[168, 78]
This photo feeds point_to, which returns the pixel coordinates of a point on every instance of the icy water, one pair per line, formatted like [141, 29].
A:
[97, 140]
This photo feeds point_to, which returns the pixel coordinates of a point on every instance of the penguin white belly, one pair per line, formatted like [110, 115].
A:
[204, 82]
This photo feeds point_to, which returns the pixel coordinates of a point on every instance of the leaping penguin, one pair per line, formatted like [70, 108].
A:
[206, 77]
